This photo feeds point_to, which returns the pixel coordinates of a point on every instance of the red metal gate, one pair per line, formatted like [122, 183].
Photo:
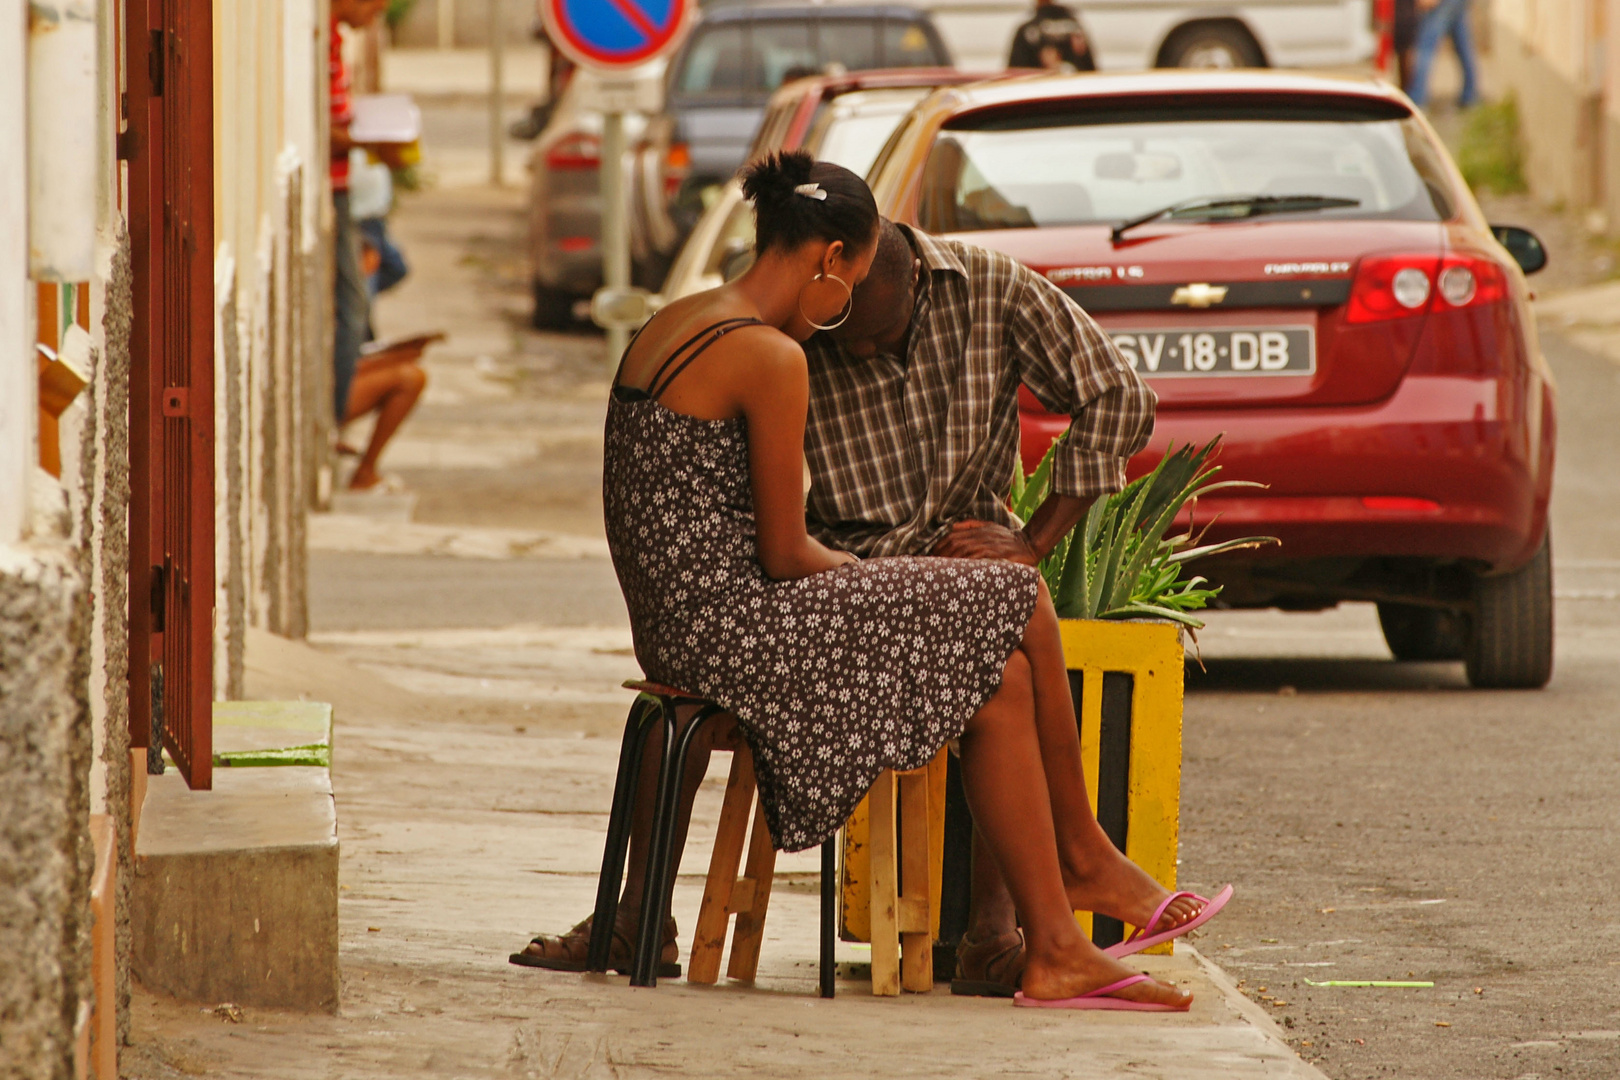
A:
[170, 149]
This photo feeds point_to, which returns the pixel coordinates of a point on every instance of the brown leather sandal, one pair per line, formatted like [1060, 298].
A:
[989, 968]
[571, 951]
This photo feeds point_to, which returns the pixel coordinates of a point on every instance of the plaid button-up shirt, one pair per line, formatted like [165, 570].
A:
[898, 450]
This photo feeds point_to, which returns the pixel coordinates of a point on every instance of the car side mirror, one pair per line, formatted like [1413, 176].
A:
[1524, 245]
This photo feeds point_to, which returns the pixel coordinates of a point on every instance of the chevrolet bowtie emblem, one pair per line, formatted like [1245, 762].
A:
[1199, 294]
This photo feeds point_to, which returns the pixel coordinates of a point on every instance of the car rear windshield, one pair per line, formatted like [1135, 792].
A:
[751, 58]
[851, 136]
[1030, 171]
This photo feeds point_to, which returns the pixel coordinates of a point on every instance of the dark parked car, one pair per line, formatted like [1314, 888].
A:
[717, 85]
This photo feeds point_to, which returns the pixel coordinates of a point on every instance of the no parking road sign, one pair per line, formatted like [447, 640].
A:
[612, 35]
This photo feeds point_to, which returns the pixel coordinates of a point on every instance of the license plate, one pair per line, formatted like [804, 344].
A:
[1269, 350]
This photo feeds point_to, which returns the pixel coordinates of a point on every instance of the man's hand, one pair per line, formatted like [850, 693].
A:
[982, 540]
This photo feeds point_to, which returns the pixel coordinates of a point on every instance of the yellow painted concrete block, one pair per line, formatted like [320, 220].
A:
[1152, 653]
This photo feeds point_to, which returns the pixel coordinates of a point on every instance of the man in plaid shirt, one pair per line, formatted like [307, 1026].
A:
[913, 436]
[911, 442]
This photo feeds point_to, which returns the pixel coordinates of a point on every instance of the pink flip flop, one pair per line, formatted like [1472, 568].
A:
[1100, 999]
[1141, 939]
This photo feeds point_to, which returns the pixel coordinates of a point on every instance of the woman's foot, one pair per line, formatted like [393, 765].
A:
[1122, 890]
[1053, 975]
[571, 951]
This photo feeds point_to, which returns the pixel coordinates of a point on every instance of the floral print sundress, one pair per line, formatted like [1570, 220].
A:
[832, 677]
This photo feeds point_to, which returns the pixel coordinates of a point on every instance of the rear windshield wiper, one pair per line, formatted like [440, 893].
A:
[1234, 208]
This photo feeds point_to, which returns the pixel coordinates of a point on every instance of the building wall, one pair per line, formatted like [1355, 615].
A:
[1563, 146]
[1550, 55]
[468, 21]
[64, 544]
[44, 767]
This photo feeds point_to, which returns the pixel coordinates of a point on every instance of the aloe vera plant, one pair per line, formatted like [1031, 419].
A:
[1118, 563]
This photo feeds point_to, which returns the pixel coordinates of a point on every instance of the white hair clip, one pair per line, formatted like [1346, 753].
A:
[811, 191]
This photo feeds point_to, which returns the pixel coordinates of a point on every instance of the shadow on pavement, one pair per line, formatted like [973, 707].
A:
[1273, 675]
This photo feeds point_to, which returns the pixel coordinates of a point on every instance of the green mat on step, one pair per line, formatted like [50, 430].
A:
[314, 754]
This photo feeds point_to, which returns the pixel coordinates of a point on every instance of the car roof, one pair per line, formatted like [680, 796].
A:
[752, 11]
[1041, 88]
[878, 97]
[823, 87]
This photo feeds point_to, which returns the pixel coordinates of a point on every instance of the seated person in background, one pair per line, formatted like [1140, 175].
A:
[388, 377]
[387, 381]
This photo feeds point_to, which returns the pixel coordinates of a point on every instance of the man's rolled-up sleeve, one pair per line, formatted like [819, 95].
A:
[1074, 370]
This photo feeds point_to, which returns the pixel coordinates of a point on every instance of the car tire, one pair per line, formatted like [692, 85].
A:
[1212, 45]
[1510, 638]
[1422, 633]
[553, 308]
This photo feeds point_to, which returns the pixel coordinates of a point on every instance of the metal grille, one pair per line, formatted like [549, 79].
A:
[170, 154]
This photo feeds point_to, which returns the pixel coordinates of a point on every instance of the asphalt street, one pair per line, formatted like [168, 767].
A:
[1380, 820]
[1383, 821]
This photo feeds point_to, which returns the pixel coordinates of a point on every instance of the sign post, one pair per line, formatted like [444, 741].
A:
[613, 37]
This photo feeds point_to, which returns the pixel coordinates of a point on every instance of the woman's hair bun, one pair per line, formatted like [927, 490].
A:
[773, 178]
[797, 198]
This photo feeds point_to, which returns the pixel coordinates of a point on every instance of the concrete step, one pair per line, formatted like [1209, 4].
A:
[236, 889]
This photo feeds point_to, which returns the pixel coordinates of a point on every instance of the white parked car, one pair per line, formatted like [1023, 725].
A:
[1131, 35]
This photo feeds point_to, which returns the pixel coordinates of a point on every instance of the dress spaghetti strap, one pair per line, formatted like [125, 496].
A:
[659, 383]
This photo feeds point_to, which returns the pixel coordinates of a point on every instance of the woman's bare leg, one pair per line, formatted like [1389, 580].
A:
[392, 392]
[1098, 875]
[1005, 782]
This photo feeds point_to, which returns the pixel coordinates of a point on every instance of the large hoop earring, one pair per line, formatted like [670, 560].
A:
[849, 304]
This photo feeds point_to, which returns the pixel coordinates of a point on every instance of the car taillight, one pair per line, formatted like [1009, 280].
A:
[1391, 287]
[677, 165]
[1468, 280]
[579, 150]
[1401, 504]
[1396, 286]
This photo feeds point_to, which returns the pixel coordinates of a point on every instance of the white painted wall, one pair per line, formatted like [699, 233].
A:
[18, 382]
[63, 87]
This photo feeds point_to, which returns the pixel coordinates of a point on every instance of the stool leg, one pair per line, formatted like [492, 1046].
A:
[709, 936]
[829, 913]
[660, 859]
[885, 892]
[650, 934]
[750, 929]
[618, 836]
[916, 923]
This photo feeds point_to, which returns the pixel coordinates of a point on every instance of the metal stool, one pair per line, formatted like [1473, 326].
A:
[656, 703]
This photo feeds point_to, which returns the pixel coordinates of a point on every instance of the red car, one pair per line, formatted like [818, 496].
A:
[1295, 262]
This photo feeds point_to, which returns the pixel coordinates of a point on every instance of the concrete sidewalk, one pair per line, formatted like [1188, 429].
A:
[461, 836]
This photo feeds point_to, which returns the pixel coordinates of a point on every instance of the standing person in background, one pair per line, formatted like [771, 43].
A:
[1403, 36]
[1053, 40]
[351, 306]
[1442, 19]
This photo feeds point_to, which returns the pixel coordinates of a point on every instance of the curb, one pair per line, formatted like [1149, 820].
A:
[1239, 1003]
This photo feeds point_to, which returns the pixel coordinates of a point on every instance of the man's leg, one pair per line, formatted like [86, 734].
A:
[351, 306]
[1430, 30]
[1462, 39]
[991, 912]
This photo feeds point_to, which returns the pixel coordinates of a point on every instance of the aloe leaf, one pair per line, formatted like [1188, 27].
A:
[1188, 554]
[1153, 611]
